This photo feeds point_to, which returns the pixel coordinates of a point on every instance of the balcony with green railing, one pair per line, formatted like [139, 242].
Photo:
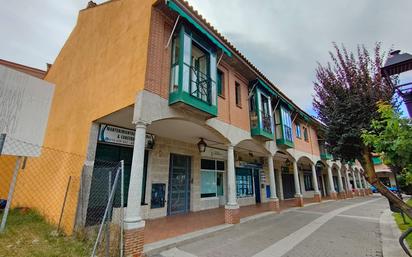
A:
[193, 73]
[261, 119]
[284, 134]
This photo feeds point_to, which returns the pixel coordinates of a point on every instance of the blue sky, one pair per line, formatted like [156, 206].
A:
[284, 39]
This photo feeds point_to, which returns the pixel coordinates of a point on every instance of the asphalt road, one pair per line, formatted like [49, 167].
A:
[336, 228]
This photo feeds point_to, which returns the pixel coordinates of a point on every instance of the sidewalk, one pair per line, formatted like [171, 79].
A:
[390, 234]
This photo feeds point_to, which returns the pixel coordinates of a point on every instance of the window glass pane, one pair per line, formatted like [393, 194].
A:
[298, 132]
[305, 134]
[287, 124]
[219, 82]
[237, 92]
[244, 182]
[206, 164]
[220, 165]
[208, 184]
[308, 182]
[186, 61]
[213, 74]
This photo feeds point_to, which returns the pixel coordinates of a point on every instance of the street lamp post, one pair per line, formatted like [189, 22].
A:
[396, 64]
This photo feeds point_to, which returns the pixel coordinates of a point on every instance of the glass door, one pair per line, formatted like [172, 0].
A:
[179, 184]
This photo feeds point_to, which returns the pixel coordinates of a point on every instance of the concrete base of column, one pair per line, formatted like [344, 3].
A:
[333, 195]
[317, 198]
[299, 201]
[232, 215]
[134, 242]
[356, 192]
[349, 194]
[342, 195]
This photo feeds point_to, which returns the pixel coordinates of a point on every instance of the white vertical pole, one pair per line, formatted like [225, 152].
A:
[330, 180]
[231, 177]
[133, 218]
[122, 207]
[272, 178]
[10, 196]
[315, 179]
[296, 178]
[340, 183]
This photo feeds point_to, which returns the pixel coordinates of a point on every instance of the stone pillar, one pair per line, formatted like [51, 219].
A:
[232, 213]
[355, 184]
[317, 196]
[342, 192]
[349, 192]
[274, 201]
[279, 181]
[366, 186]
[332, 191]
[298, 195]
[361, 190]
[133, 223]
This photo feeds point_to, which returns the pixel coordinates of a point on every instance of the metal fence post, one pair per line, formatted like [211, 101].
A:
[122, 207]
[10, 196]
[64, 204]
[108, 217]
[106, 213]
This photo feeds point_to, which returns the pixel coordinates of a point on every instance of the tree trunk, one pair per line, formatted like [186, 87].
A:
[374, 180]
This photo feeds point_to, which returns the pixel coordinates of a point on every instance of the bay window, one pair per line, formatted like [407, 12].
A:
[193, 71]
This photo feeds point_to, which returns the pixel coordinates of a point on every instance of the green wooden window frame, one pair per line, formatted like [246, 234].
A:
[261, 118]
[184, 79]
[285, 125]
[220, 83]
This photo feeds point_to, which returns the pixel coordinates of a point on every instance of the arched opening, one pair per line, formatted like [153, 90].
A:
[285, 185]
[307, 184]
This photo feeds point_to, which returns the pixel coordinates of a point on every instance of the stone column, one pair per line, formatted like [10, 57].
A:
[361, 190]
[317, 196]
[274, 201]
[298, 195]
[342, 191]
[133, 223]
[355, 184]
[349, 193]
[332, 191]
[279, 181]
[232, 214]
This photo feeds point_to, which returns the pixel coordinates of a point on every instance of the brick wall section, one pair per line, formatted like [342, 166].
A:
[134, 242]
[341, 195]
[232, 216]
[317, 198]
[274, 205]
[334, 196]
[299, 201]
[158, 65]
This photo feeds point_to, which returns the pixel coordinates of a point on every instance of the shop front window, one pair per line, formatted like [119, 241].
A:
[244, 182]
[211, 178]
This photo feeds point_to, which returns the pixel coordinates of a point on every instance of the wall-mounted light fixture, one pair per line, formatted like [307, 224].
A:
[201, 146]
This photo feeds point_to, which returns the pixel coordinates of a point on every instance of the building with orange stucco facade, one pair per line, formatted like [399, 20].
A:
[201, 125]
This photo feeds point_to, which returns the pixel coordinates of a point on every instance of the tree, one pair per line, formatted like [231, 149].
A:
[391, 135]
[347, 91]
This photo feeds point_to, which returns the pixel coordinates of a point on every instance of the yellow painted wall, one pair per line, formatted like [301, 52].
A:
[99, 70]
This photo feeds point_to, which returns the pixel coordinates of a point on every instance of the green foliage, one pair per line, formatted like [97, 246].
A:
[346, 92]
[391, 135]
[403, 227]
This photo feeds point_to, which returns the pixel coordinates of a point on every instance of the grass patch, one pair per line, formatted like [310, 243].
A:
[27, 234]
[402, 226]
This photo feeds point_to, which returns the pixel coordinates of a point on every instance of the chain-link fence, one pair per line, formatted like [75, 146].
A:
[70, 193]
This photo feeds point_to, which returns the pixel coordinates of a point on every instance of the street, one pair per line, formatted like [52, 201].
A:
[334, 228]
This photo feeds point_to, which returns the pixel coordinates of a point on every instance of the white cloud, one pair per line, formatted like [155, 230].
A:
[284, 39]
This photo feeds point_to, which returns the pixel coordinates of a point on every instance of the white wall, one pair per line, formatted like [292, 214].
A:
[24, 109]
